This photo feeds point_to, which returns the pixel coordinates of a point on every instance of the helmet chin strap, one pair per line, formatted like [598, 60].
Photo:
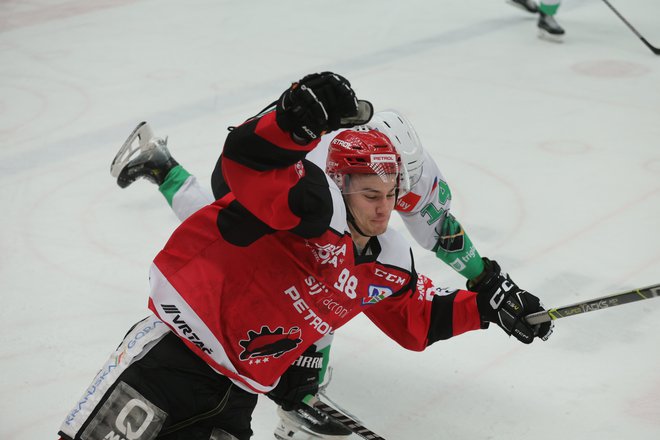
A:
[351, 220]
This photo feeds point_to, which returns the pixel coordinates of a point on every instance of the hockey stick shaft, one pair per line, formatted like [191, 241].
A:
[601, 303]
[655, 50]
[344, 419]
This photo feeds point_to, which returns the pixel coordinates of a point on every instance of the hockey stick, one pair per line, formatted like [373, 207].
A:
[655, 50]
[591, 305]
[344, 419]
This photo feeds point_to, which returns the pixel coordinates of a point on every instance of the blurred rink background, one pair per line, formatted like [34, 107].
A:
[551, 152]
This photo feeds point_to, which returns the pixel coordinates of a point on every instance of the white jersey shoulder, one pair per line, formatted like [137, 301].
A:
[395, 250]
[425, 207]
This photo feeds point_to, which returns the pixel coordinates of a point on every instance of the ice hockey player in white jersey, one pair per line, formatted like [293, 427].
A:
[425, 211]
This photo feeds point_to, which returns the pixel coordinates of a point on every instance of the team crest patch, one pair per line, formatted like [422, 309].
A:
[269, 343]
[376, 294]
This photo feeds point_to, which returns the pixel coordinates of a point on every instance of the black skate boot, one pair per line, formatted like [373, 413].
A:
[308, 424]
[142, 155]
[549, 29]
[526, 5]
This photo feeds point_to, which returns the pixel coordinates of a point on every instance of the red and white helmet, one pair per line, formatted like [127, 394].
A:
[362, 152]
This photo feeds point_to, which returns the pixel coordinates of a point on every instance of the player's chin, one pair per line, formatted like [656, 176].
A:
[377, 227]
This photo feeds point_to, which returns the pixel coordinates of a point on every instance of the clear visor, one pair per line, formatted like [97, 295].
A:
[381, 175]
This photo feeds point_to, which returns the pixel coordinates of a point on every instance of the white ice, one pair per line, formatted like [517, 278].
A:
[552, 152]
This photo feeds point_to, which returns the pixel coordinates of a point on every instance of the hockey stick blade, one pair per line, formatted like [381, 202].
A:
[363, 115]
[349, 422]
[592, 305]
[654, 49]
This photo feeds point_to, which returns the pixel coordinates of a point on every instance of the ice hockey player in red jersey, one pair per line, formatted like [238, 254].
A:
[425, 210]
[241, 291]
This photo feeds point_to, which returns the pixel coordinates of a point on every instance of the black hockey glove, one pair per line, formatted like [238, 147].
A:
[319, 103]
[501, 301]
[299, 380]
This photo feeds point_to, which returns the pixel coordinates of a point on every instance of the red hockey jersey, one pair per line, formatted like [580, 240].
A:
[252, 280]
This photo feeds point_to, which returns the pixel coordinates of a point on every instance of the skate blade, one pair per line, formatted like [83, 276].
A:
[142, 133]
[553, 38]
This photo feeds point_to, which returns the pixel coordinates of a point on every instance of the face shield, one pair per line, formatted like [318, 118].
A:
[380, 174]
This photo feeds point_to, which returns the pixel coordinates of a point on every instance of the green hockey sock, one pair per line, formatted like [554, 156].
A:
[173, 182]
[548, 9]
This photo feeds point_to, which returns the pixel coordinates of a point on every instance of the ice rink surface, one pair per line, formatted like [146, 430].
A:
[552, 152]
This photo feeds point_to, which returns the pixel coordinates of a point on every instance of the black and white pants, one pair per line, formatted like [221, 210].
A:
[154, 387]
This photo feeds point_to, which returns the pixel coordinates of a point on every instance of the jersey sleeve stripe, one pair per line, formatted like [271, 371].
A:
[466, 315]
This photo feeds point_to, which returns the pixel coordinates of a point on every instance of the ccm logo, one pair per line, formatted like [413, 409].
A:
[392, 278]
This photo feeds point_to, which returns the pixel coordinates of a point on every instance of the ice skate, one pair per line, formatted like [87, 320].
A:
[526, 5]
[142, 155]
[308, 424]
[549, 29]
